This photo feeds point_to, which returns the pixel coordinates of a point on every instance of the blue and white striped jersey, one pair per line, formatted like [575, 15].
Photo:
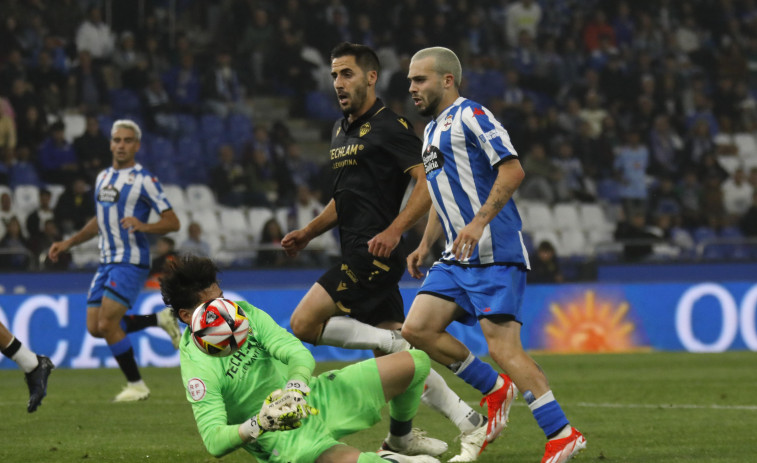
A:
[130, 192]
[460, 151]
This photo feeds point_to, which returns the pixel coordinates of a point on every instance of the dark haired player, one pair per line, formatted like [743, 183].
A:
[228, 394]
[356, 304]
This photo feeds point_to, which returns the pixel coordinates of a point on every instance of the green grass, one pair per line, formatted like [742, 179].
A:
[656, 407]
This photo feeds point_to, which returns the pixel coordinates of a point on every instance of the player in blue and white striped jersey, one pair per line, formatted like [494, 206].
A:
[472, 171]
[124, 195]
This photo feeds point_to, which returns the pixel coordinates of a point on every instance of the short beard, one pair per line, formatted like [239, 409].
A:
[358, 97]
[431, 109]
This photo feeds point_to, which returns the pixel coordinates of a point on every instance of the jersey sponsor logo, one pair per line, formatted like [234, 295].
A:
[108, 194]
[478, 112]
[346, 151]
[196, 389]
[447, 122]
[403, 122]
[433, 160]
[493, 133]
[365, 128]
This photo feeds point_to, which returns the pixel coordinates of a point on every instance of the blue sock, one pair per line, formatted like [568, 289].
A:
[478, 374]
[548, 414]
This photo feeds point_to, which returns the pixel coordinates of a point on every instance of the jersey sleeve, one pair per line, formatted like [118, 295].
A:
[402, 143]
[281, 344]
[202, 379]
[154, 194]
[487, 132]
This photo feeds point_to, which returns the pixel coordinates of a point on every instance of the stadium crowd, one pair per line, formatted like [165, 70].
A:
[645, 108]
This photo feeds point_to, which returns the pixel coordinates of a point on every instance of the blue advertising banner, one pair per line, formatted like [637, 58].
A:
[694, 317]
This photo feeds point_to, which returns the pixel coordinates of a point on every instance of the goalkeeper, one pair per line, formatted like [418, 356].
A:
[263, 397]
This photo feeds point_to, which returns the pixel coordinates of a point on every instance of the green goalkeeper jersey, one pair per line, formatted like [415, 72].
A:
[226, 391]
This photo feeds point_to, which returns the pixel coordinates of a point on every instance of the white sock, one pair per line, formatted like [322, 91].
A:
[25, 359]
[542, 400]
[438, 395]
[351, 334]
[141, 382]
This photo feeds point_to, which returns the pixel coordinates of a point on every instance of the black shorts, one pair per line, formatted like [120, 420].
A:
[366, 288]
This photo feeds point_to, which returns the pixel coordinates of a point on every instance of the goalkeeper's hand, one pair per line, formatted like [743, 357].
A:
[278, 413]
[297, 391]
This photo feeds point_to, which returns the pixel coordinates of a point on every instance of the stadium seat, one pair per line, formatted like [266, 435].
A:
[175, 195]
[124, 101]
[211, 125]
[200, 196]
[239, 125]
[703, 233]
[161, 149]
[75, 125]
[573, 243]
[539, 217]
[188, 124]
[551, 236]
[321, 106]
[592, 217]
[26, 198]
[55, 192]
[566, 217]
[234, 220]
[282, 216]
[106, 124]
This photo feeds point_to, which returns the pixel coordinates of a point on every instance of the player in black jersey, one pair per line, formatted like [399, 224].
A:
[357, 304]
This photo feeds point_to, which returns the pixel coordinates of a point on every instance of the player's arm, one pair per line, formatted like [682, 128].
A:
[296, 240]
[417, 205]
[168, 223]
[87, 232]
[430, 235]
[509, 176]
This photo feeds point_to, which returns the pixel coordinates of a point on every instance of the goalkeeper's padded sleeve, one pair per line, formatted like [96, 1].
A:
[404, 406]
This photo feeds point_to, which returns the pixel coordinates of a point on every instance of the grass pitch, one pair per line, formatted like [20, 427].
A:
[652, 407]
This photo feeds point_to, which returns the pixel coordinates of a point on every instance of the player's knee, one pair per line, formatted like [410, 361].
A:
[413, 335]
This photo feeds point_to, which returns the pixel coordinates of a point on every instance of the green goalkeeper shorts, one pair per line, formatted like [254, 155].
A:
[349, 400]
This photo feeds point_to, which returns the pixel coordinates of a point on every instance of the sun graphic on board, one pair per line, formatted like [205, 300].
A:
[590, 326]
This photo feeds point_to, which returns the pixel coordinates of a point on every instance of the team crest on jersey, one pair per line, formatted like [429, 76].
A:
[108, 195]
[447, 122]
[196, 389]
[433, 160]
[365, 128]
[403, 122]
[131, 178]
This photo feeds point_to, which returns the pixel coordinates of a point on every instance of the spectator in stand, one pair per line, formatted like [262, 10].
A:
[270, 253]
[35, 222]
[631, 162]
[545, 268]
[573, 184]
[13, 69]
[75, 206]
[95, 37]
[711, 204]
[155, 56]
[222, 89]
[8, 133]
[22, 171]
[92, 149]
[48, 82]
[32, 128]
[127, 58]
[194, 244]
[159, 109]
[666, 149]
[183, 84]
[229, 181]
[7, 211]
[748, 222]
[40, 244]
[57, 159]
[710, 166]
[261, 174]
[22, 96]
[87, 89]
[294, 169]
[663, 198]
[323, 247]
[14, 247]
[624, 25]
[593, 113]
[257, 40]
[542, 176]
[522, 15]
[737, 195]
[597, 29]
[638, 239]
[64, 17]
[699, 142]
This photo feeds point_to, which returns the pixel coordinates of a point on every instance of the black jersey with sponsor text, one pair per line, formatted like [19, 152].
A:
[370, 163]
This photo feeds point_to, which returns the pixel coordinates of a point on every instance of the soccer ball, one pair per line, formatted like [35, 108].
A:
[219, 327]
